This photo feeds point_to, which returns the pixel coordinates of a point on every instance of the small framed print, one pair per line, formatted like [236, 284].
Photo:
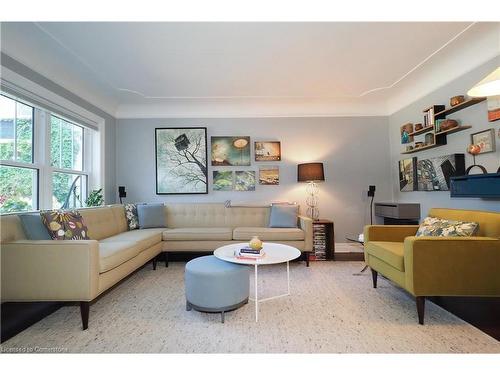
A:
[268, 151]
[485, 140]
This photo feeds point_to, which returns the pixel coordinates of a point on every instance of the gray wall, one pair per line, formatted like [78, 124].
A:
[457, 143]
[354, 151]
[110, 194]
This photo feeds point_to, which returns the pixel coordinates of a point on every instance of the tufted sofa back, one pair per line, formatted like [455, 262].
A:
[186, 215]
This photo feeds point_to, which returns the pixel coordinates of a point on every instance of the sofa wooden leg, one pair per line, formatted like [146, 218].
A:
[306, 254]
[84, 312]
[154, 263]
[374, 277]
[166, 259]
[420, 309]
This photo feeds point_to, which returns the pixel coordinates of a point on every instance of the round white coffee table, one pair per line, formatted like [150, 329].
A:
[275, 253]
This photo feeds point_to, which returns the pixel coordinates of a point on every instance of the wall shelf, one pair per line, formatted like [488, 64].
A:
[422, 148]
[455, 129]
[459, 107]
[436, 112]
[422, 131]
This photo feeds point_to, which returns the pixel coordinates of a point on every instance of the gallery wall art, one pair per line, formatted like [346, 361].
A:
[269, 175]
[408, 174]
[222, 181]
[268, 151]
[244, 180]
[434, 174]
[181, 160]
[485, 140]
[230, 151]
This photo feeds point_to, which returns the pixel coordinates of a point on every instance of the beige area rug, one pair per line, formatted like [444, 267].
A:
[330, 311]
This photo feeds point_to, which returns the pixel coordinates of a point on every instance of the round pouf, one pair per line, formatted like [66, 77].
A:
[213, 285]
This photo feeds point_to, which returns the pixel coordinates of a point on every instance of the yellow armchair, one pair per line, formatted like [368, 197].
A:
[437, 266]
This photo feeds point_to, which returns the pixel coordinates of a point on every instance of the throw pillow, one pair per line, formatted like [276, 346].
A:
[151, 216]
[131, 215]
[33, 227]
[283, 216]
[434, 226]
[67, 225]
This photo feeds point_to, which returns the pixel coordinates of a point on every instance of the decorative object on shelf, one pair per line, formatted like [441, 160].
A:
[222, 180]
[429, 139]
[408, 174]
[434, 174]
[181, 160]
[485, 140]
[437, 124]
[405, 130]
[95, 198]
[418, 127]
[488, 86]
[244, 180]
[255, 243]
[268, 151]
[493, 104]
[419, 144]
[269, 175]
[311, 173]
[447, 125]
[456, 100]
[409, 148]
[474, 150]
[230, 151]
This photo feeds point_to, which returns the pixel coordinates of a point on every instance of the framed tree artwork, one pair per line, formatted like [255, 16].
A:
[181, 160]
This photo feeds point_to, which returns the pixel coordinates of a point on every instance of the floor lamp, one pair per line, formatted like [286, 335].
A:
[311, 173]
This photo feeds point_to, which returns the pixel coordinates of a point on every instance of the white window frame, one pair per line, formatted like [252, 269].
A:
[94, 143]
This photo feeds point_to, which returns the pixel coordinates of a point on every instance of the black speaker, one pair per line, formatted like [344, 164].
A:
[371, 190]
[122, 193]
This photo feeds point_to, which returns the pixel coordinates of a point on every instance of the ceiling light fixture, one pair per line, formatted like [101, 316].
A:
[488, 86]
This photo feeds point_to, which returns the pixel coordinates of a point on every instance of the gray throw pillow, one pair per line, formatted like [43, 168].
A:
[283, 216]
[34, 229]
[151, 215]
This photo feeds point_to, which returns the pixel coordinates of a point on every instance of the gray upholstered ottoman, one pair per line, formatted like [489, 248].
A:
[213, 285]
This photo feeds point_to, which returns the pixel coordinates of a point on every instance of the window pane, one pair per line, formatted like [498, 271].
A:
[24, 137]
[69, 190]
[7, 130]
[66, 148]
[18, 189]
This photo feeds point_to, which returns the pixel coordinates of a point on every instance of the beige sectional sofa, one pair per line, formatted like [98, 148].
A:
[81, 270]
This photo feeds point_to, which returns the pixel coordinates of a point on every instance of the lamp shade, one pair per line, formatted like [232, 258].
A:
[310, 172]
[489, 86]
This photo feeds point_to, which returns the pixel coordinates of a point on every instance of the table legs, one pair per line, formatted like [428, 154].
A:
[256, 294]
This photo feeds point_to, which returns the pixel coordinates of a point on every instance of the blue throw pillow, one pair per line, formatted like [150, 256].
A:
[283, 216]
[34, 229]
[151, 216]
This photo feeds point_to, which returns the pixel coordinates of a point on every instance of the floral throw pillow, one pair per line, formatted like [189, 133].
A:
[131, 215]
[65, 225]
[433, 226]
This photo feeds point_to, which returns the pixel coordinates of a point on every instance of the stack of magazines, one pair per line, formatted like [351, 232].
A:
[249, 253]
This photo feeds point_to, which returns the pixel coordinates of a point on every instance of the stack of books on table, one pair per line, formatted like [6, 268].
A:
[250, 254]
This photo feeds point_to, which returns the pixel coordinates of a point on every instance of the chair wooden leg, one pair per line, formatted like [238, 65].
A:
[307, 258]
[166, 259]
[84, 312]
[222, 317]
[420, 309]
[188, 306]
[374, 277]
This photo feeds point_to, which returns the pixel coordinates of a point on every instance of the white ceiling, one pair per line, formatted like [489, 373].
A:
[249, 69]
